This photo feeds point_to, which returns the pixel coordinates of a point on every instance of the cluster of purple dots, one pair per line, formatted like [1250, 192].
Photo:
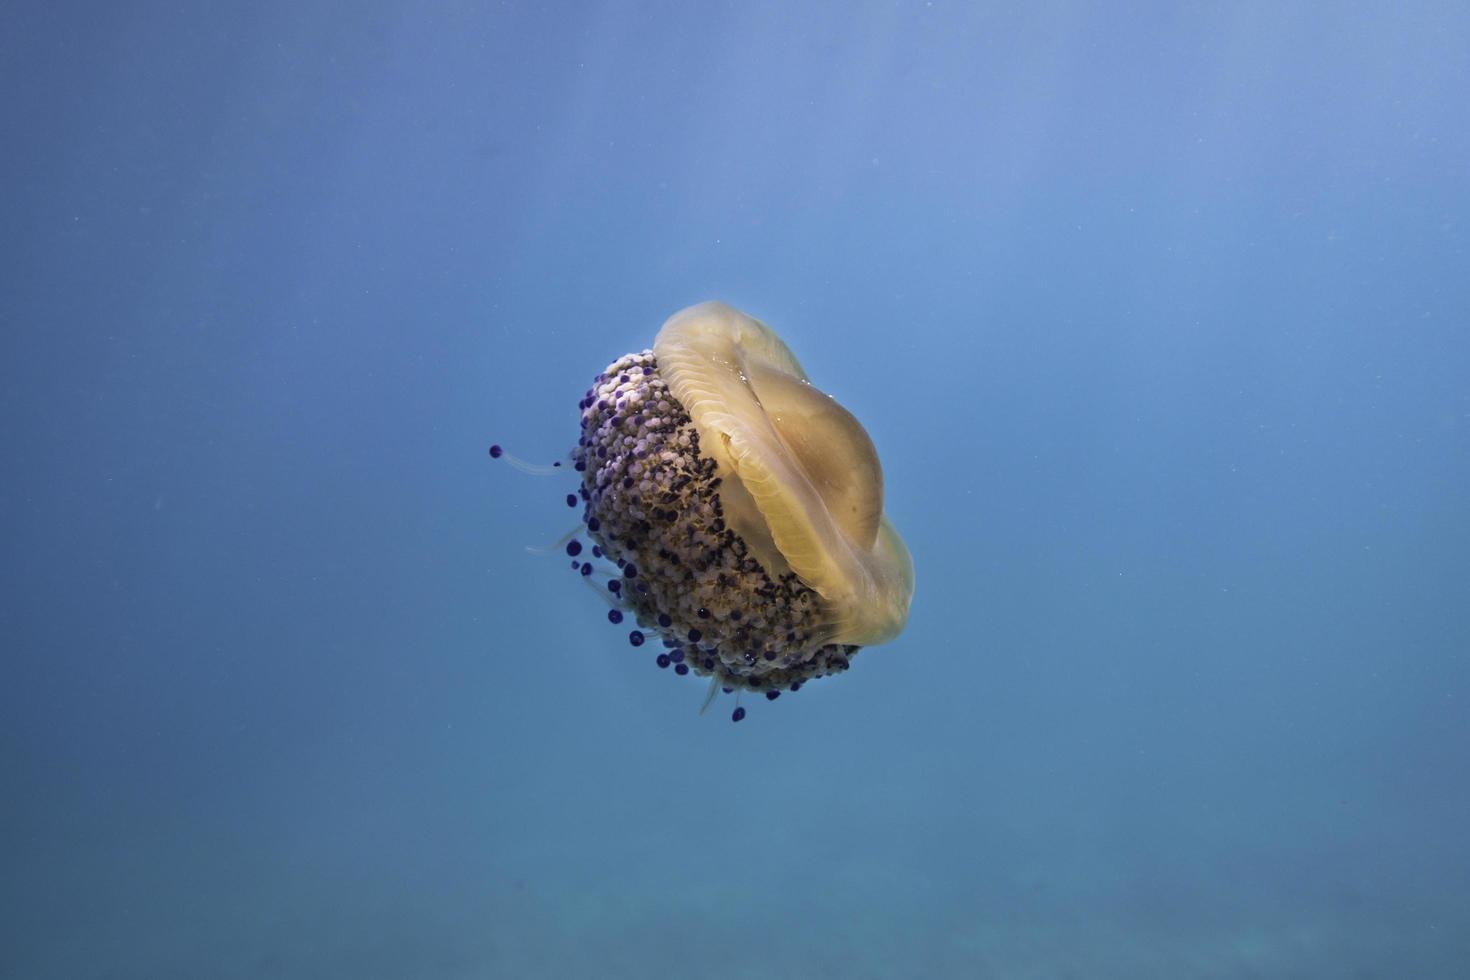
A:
[674, 656]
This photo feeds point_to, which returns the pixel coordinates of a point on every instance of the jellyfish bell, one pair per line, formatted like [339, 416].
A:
[736, 508]
[805, 487]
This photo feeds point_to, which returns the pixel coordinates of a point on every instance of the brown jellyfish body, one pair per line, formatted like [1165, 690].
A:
[741, 507]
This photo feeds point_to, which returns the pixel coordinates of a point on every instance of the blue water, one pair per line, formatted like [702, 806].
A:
[1159, 316]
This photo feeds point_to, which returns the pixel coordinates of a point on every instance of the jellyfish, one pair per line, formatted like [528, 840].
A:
[734, 511]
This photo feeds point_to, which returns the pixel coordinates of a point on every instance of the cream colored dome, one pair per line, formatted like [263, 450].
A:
[801, 480]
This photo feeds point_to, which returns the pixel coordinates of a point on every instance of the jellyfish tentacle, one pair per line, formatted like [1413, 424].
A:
[612, 601]
[709, 695]
[557, 545]
[532, 469]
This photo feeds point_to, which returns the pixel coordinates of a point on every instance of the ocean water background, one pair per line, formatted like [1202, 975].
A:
[1159, 315]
